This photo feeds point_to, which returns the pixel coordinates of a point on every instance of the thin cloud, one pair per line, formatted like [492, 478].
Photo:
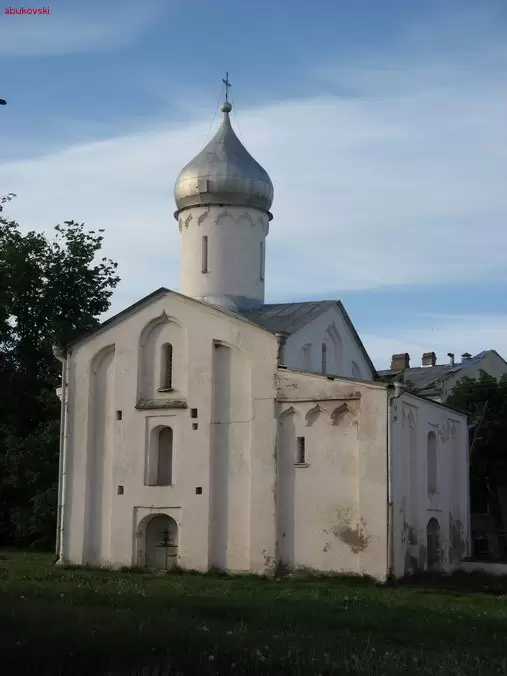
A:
[90, 27]
[392, 186]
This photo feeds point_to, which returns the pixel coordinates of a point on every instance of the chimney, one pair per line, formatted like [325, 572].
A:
[466, 356]
[451, 356]
[429, 359]
[400, 362]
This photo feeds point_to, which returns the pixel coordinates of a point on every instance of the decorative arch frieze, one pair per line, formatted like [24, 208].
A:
[287, 413]
[313, 414]
[227, 214]
[341, 412]
[202, 217]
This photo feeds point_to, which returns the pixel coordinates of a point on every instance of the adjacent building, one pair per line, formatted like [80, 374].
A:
[437, 381]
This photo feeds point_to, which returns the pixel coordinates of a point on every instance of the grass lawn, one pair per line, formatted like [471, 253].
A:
[75, 622]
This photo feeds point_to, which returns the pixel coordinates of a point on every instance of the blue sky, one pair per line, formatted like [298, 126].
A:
[382, 124]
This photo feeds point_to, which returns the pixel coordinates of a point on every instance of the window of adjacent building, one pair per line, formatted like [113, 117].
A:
[166, 371]
[204, 267]
[324, 358]
[261, 262]
[165, 457]
[432, 462]
[300, 451]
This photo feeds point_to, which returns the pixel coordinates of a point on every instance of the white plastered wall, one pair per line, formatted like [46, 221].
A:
[198, 327]
[413, 505]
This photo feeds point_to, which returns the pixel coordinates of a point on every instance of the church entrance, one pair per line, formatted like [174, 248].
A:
[161, 543]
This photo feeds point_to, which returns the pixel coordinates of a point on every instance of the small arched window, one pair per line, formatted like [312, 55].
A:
[204, 254]
[324, 358]
[165, 457]
[432, 463]
[166, 370]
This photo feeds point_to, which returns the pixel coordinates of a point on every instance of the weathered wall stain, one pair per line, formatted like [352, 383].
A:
[411, 564]
[422, 557]
[269, 563]
[457, 541]
[353, 537]
[412, 535]
[350, 531]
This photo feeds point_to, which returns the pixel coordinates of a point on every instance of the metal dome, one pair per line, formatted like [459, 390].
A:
[224, 172]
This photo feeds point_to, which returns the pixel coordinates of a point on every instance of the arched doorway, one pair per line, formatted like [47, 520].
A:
[161, 543]
[433, 544]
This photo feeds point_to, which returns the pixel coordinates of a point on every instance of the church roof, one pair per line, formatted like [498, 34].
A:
[287, 317]
[224, 172]
[284, 317]
[290, 317]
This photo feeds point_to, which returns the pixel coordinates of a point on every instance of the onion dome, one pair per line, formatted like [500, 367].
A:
[224, 173]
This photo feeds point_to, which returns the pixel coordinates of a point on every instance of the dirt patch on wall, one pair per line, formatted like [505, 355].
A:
[457, 542]
[409, 534]
[411, 564]
[422, 557]
[350, 531]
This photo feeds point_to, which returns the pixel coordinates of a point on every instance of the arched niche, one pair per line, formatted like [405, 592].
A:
[160, 465]
[307, 357]
[230, 457]
[162, 359]
[333, 351]
[433, 546]
[100, 454]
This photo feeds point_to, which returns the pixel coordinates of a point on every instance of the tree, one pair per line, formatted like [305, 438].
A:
[51, 291]
[485, 399]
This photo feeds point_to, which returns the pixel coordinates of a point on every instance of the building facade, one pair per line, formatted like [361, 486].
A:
[208, 430]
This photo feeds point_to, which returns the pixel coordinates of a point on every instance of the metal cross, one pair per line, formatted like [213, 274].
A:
[227, 86]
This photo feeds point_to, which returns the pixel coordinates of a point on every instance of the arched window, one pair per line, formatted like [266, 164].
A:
[204, 252]
[324, 358]
[166, 370]
[165, 457]
[432, 462]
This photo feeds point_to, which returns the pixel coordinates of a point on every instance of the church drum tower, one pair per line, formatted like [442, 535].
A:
[223, 197]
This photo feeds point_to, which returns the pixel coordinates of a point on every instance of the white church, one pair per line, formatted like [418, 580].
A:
[208, 430]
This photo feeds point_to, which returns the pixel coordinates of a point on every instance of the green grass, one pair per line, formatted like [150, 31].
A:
[75, 621]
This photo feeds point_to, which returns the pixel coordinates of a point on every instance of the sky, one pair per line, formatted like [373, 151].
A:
[383, 126]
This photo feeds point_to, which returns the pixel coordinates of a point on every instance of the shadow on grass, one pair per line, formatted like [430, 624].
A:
[61, 621]
[459, 581]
